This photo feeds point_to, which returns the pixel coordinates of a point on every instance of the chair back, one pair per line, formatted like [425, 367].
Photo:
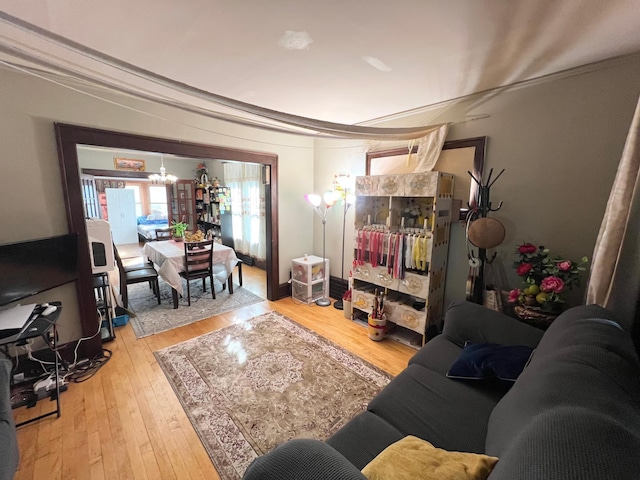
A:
[163, 234]
[121, 272]
[198, 257]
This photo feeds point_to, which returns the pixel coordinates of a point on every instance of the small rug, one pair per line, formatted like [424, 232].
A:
[253, 385]
[150, 318]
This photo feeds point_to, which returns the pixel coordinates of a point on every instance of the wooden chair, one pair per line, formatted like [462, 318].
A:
[146, 274]
[198, 262]
[138, 266]
[163, 234]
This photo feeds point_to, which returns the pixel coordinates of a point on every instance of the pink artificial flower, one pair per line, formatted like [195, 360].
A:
[514, 294]
[527, 248]
[564, 266]
[523, 269]
[552, 284]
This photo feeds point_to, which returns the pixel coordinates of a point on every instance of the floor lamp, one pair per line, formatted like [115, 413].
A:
[348, 199]
[329, 201]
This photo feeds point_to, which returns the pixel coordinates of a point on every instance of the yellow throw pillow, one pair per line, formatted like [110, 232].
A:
[413, 458]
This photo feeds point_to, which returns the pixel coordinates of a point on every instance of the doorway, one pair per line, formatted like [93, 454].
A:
[69, 137]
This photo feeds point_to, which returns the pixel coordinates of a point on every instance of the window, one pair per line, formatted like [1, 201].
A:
[158, 198]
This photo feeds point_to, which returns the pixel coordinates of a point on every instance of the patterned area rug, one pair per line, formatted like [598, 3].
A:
[151, 318]
[251, 386]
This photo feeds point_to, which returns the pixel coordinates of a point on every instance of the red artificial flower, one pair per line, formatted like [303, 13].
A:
[564, 266]
[514, 294]
[527, 248]
[523, 269]
[552, 284]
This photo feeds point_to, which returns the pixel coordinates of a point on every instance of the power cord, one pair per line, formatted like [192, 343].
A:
[84, 370]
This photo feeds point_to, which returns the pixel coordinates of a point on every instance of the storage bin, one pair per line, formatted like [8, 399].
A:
[120, 321]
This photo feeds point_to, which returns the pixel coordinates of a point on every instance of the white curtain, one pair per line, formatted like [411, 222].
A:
[247, 208]
[614, 282]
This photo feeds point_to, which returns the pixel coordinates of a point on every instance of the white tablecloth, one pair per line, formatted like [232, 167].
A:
[169, 256]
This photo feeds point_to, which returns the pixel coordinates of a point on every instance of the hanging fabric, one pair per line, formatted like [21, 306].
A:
[614, 282]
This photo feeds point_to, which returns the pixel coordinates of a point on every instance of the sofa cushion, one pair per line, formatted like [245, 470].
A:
[437, 355]
[480, 361]
[450, 414]
[582, 363]
[302, 459]
[9, 455]
[570, 443]
[469, 322]
[414, 458]
[364, 437]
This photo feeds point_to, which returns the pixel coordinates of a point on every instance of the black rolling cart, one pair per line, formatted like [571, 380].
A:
[44, 327]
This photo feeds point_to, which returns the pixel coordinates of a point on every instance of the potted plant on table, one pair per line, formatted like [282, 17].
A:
[178, 229]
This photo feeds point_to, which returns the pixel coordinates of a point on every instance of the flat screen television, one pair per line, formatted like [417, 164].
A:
[35, 266]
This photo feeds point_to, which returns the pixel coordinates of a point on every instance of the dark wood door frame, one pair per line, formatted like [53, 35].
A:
[68, 137]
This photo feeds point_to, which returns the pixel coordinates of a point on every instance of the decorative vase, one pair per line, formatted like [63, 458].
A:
[377, 328]
[347, 309]
[178, 239]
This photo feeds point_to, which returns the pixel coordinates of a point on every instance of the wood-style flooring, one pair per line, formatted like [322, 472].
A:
[126, 422]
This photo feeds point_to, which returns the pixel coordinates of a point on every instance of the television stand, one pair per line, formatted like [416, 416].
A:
[44, 327]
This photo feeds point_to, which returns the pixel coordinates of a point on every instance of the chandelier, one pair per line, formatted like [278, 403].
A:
[163, 178]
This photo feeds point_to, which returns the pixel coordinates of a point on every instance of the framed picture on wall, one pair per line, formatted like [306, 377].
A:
[129, 164]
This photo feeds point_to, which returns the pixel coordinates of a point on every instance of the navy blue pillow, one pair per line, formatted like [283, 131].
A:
[488, 360]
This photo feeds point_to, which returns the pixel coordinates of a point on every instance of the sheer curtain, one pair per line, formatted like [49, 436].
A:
[615, 272]
[247, 208]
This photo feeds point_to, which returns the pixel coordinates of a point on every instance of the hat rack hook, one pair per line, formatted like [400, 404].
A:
[482, 208]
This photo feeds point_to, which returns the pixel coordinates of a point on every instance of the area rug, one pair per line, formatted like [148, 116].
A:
[253, 385]
[150, 318]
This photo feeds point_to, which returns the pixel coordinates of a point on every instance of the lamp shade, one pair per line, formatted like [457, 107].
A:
[313, 199]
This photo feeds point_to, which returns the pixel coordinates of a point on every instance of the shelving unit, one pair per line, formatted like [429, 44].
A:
[45, 328]
[394, 206]
[213, 212]
[309, 281]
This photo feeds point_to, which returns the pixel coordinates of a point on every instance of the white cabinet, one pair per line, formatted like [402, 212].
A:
[309, 280]
[121, 210]
[401, 242]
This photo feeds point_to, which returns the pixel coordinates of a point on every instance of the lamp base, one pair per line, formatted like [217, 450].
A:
[338, 305]
[323, 302]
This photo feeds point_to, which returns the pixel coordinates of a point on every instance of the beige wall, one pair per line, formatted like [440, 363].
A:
[560, 142]
[31, 193]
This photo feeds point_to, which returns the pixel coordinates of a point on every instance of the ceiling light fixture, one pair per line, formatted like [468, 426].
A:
[163, 178]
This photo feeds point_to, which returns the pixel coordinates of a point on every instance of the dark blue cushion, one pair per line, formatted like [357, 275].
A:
[479, 361]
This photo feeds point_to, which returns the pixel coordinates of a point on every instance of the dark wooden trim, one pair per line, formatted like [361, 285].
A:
[284, 290]
[68, 137]
[114, 173]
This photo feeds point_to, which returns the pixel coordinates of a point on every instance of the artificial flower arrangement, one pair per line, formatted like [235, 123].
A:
[201, 169]
[545, 278]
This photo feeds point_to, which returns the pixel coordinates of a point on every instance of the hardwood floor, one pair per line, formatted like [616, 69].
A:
[125, 422]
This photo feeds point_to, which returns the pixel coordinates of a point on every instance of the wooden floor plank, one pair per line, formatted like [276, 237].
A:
[126, 421]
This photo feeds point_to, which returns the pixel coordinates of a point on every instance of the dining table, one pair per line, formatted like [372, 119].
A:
[170, 258]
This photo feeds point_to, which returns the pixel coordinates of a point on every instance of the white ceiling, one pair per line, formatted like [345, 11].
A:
[363, 60]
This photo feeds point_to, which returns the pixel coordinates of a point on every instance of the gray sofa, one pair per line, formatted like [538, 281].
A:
[8, 440]
[573, 413]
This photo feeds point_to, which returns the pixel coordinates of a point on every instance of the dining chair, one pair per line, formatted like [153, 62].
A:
[198, 262]
[137, 266]
[163, 234]
[129, 277]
